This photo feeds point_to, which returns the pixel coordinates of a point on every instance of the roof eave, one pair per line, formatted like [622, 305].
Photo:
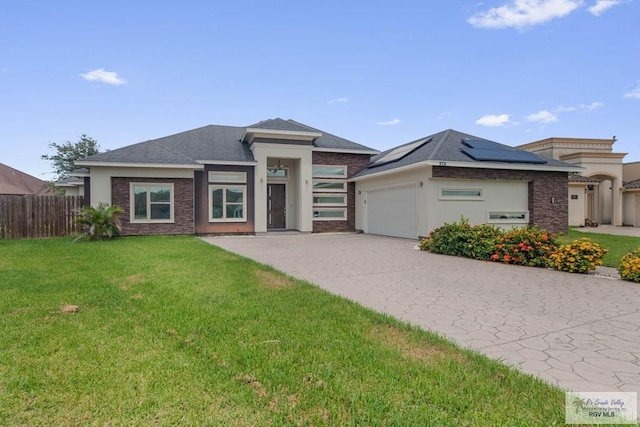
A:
[139, 165]
[346, 150]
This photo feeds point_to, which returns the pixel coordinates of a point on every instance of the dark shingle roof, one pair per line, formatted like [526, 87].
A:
[212, 143]
[206, 143]
[445, 146]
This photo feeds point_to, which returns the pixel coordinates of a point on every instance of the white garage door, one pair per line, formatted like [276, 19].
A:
[393, 212]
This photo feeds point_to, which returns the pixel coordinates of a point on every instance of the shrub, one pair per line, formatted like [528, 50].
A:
[629, 267]
[461, 239]
[581, 256]
[525, 246]
[100, 222]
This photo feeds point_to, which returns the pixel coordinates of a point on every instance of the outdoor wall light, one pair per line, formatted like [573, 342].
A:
[421, 183]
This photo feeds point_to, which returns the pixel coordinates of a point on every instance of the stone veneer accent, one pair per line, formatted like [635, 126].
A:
[182, 209]
[543, 187]
[355, 163]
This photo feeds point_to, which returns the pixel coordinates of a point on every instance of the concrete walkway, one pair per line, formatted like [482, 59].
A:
[580, 332]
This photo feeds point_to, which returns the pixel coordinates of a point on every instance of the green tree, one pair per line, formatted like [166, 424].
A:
[63, 161]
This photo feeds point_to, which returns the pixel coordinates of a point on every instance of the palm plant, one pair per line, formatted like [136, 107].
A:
[100, 222]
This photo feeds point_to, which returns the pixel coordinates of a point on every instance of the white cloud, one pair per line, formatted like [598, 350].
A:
[581, 107]
[389, 122]
[635, 93]
[524, 13]
[602, 5]
[592, 106]
[563, 109]
[342, 100]
[102, 76]
[543, 116]
[494, 120]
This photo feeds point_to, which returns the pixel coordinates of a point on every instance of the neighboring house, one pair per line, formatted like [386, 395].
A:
[15, 182]
[414, 188]
[74, 184]
[597, 192]
[273, 175]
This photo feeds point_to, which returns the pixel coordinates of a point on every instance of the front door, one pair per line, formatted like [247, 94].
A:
[276, 206]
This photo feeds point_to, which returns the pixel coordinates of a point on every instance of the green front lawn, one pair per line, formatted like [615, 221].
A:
[618, 246]
[173, 331]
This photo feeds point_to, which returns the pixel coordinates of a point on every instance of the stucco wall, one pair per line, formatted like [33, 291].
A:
[547, 193]
[497, 196]
[577, 212]
[183, 222]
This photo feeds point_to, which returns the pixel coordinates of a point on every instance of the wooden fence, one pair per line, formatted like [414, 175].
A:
[31, 216]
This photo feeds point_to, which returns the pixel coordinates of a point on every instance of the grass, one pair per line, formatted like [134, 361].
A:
[618, 246]
[170, 330]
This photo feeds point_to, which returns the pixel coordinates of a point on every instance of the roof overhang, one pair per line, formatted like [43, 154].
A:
[252, 133]
[227, 162]
[346, 151]
[474, 165]
[90, 164]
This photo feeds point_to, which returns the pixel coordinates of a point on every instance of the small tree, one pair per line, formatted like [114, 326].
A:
[63, 161]
[101, 222]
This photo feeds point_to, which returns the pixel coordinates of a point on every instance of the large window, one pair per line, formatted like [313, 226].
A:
[322, 171]
[151, 202]
[329, 192]
[227, 199]
[227, 203]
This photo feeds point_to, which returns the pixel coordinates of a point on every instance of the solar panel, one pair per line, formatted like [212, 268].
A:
[400, 152]
[482, 145]
[503, 155]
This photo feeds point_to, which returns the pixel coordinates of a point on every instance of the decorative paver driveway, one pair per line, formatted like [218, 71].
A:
[577, 331]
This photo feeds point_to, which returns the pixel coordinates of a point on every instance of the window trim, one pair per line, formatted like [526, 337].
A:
[442, 196]
[344, 175]
[229, 174]
[524, 220]
[132, 204]
[344, 217]
[329, 190]
[212, 188]
[320, 204]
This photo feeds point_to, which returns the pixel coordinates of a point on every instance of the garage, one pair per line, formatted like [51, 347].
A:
[393, 212]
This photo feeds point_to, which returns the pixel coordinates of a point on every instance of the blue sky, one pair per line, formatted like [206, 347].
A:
[378, 73]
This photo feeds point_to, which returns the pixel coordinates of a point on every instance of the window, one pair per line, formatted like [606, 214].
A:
[449, 193]
[329, 186]
[227, 203]
[518, 217]
[330, 214]
[277, 173]
[151, 202]
[322, 171]
[216, 176]
[320, 199]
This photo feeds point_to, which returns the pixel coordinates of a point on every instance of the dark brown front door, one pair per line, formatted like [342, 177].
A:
[276, 206]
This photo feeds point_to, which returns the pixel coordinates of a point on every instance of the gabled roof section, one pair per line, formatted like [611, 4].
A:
[325, 141]
[209, 143]
[13, 181]
[454, 148]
